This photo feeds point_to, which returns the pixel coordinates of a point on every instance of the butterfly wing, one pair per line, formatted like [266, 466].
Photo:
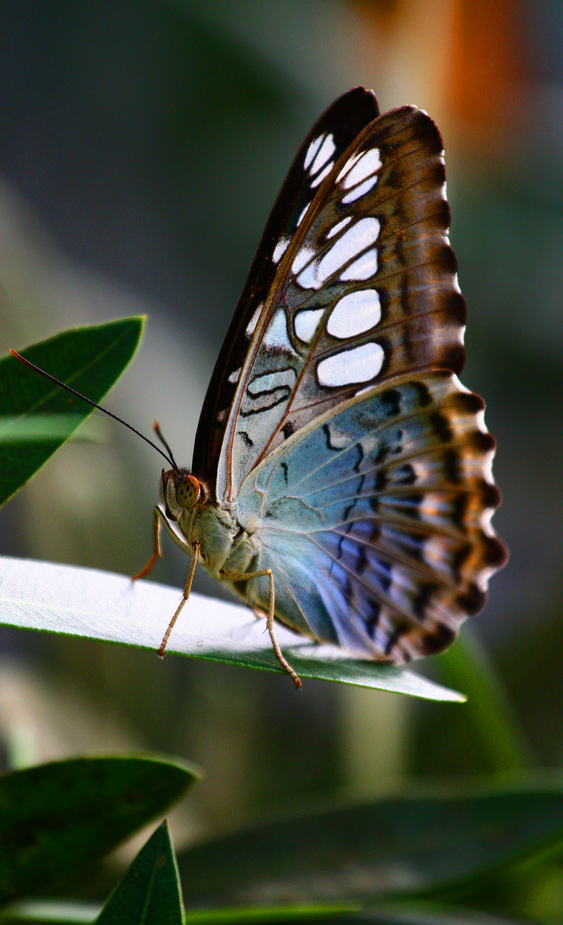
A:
[342, 123]
[375, 519]
[365, 289]
[338, 425]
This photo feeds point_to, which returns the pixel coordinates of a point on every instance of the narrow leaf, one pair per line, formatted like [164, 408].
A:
[149, 893]
[490, 715]
[55, 819]
[404, 846]
[101, 605]
[89, 359]
[36, 428]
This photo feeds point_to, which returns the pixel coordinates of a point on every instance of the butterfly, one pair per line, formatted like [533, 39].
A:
[341, 479]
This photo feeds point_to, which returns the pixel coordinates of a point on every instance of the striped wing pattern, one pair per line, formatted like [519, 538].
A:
[343, 121]
[376, 519]
[335, 424]
[366, 289]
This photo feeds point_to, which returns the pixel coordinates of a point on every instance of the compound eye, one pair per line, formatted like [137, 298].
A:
[187, 491]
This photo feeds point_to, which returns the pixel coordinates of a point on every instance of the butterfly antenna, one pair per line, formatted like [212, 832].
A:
[158, 432]
[169, 458]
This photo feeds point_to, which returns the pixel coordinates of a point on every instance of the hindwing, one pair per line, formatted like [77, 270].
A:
[375, 519]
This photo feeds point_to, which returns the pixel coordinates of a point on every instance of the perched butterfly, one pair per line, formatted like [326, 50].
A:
[341, 480]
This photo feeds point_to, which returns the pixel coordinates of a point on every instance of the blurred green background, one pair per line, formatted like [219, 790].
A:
[142, 145]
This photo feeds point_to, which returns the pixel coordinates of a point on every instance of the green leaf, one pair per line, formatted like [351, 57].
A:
[89, 359]
[101, 605]
[55, 819]
[490, 717]
[149, 893]
[35, 428]
[400, 847]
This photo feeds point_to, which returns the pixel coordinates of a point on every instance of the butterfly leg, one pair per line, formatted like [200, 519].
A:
[269, 619]
[185, 596]
[178, 537]
[156, 547]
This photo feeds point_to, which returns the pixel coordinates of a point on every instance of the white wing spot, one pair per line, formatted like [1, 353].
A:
[267, 383]
[363, 268]
[360, 190]
[276, 335]
[354, 314]
[303, 214]
[251, 327]
[324, 173]
[235, 376]
[339, 226]
[326, 151]
[348, 166]
[360, 364]
[302, 257]
[309, 278]
[313, 148]
[280, 249]
[306, 323]
[361, 168]
[359, 236]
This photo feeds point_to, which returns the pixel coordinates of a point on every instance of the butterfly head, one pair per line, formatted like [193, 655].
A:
[181, 491]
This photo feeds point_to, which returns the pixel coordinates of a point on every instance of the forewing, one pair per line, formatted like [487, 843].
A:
[375, 519]
[341, 123]
[366, 289]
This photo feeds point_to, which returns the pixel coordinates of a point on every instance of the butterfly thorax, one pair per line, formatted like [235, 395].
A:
[224, 546]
